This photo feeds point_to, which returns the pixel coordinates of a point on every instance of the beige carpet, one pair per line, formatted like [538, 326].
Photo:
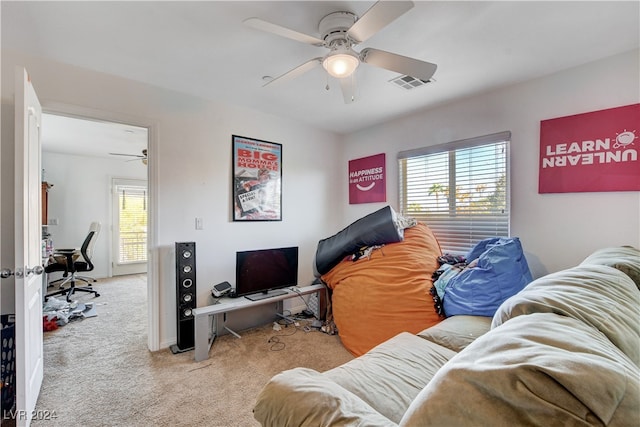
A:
[99, 372]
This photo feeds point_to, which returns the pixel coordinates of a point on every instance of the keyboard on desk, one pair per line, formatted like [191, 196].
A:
[262, 295]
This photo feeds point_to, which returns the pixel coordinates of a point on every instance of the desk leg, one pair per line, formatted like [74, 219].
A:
[202, 337]
[232, 332]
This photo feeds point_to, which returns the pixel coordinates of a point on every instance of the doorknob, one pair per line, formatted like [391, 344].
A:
[6, 272]
[38, 269]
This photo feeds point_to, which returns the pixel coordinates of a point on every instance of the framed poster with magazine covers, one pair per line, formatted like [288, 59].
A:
[257, 179]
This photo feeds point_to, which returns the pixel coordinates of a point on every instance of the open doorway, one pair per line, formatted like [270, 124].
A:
[146, 167]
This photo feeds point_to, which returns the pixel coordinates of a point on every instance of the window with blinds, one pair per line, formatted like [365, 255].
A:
[132, 223]
[460, 189]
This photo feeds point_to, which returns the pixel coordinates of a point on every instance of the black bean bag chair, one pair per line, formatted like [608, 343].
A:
[377, 228]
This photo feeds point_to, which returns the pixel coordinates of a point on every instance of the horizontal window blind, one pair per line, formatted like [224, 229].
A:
[132, 232]
[460, 189]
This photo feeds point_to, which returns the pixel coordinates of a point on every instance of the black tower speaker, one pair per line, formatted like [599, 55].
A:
[185, 295]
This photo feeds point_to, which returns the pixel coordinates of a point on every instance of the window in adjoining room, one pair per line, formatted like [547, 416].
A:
[130, 223]
[459, 189]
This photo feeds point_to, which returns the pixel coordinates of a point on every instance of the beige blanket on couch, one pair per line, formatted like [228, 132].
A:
[540, 370]
[565, 354]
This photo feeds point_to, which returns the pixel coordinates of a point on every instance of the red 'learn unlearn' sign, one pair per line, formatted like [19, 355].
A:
[595, 151]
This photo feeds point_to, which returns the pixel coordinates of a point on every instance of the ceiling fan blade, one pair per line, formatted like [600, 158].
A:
[348, 86]
[126, 155]
[261, 25]
[299, 70]
[143, 160]
[376, 18]
[400, 64]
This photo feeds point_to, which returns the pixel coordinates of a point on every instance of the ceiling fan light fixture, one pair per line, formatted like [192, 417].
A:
[341, 63]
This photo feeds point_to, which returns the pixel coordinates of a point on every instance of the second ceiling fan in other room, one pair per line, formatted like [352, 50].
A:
[340, 32]
[142, 157]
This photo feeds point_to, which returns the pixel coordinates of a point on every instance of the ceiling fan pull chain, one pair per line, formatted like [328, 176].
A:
[353, 87]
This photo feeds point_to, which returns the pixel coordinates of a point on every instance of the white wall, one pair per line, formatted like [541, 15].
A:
[557, 230]
[81, 194]
[191, 150]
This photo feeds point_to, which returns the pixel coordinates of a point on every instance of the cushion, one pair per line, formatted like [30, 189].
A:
[457, 332]
[542, 369]
[377, 228]
[302, 397]
[392, 374]
[599, 296]
[624, 258]
[380, 295]
[501, 271]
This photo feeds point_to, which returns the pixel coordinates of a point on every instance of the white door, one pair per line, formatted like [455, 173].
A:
[28, 255]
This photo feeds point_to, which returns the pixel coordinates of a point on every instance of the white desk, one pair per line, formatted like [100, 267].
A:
[202, 315]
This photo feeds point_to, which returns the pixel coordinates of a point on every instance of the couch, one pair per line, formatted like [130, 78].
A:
[564, 351]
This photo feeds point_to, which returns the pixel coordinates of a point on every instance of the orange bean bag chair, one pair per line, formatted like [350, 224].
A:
[380, 295]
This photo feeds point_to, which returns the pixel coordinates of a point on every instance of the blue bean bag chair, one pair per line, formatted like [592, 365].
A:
[497, 270]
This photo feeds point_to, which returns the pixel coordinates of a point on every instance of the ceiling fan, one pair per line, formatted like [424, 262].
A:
[142, 157]
[340, 32]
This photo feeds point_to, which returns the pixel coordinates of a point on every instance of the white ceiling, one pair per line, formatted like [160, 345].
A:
[202, 48]
[70, 135]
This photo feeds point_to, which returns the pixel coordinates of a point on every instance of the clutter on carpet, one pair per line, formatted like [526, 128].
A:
[59, 312]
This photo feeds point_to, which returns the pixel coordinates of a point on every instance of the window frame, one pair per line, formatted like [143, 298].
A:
[461, 242]
[118, 266]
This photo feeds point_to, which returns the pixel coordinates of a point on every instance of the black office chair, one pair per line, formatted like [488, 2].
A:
[72, 264]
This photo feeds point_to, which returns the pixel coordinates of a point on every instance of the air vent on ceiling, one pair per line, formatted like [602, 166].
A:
[408, 82]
